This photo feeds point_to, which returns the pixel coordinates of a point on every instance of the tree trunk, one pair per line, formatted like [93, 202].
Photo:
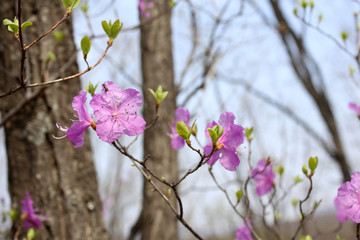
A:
[61, 180]
[157, 220]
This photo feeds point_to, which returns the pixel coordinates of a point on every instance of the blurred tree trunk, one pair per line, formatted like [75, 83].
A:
[157, 220]
[61, 180]
[309, 74]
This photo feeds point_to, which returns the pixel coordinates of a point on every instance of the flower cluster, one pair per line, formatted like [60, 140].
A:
[232, 137]
[144, 8]
[264, 177]
[116, 113]
[30, 218]
[181, 114]
[347, 202]
[355, 108]
[244, 233]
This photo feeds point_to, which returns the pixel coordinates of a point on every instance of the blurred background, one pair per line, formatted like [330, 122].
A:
[290, 79]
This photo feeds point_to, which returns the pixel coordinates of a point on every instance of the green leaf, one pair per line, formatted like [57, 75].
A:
[239, 195]
[220, 132]
[297, 179]
[67, 3]
[51, 56]
[13, 214]
[344, 36]
[85, 45]
[320, 17]
[58, 35]
[91, 89]
[7, 21]
[13, 28]
[172, 3]
[305, 169]
[294, 202]
[193, 129]
[152, 92]
[249, 133]
[352, 70]
[316, 204]
[115, 29]
[25, 25]
[307, 237]
[295, 12]
[75, 3]
[183, 130]
[84, 8]
[279, 170]
[313, 162]
[159, 95]
[169, 193]
[31, 233]
[162, 96]
[212, 134]
[311, 4]
[303, 4]
[106, 27]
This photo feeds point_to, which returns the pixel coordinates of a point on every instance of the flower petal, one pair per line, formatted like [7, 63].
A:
[233, 136]
[177, 142]
[182, 114]
[207, 135]
[75, 133]
[226, 119]
[229, 159]
[109, 130]
[214, 157]
[79, 106]
[134, 125]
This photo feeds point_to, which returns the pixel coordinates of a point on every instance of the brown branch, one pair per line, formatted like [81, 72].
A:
[67, 14]
[23, 51]
[17, 88]
[302, 214]
[148, 178]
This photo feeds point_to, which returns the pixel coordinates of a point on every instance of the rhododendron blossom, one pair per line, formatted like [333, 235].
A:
[226, 145]
[355, 108]
[244, 233]
[347, 202]
[144, 8]
[75, 133]
[30, 218]
[264, 177]
[116, 112]
[181, 114]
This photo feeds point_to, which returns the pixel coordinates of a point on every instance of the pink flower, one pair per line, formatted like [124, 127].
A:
[181, 114]
[244, 233]
[116, 111]
[75, 133]
[144, 8]
[347, 201]
[264, 177]
[355, 108]
[232, 137]
[31, 219]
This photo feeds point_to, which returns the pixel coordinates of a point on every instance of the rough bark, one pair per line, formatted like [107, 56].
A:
[61, 180]
[309, 74]
[157, 220]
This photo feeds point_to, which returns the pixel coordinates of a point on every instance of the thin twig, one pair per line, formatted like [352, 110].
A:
[67, 14]
[23, 51]
[17, 88]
